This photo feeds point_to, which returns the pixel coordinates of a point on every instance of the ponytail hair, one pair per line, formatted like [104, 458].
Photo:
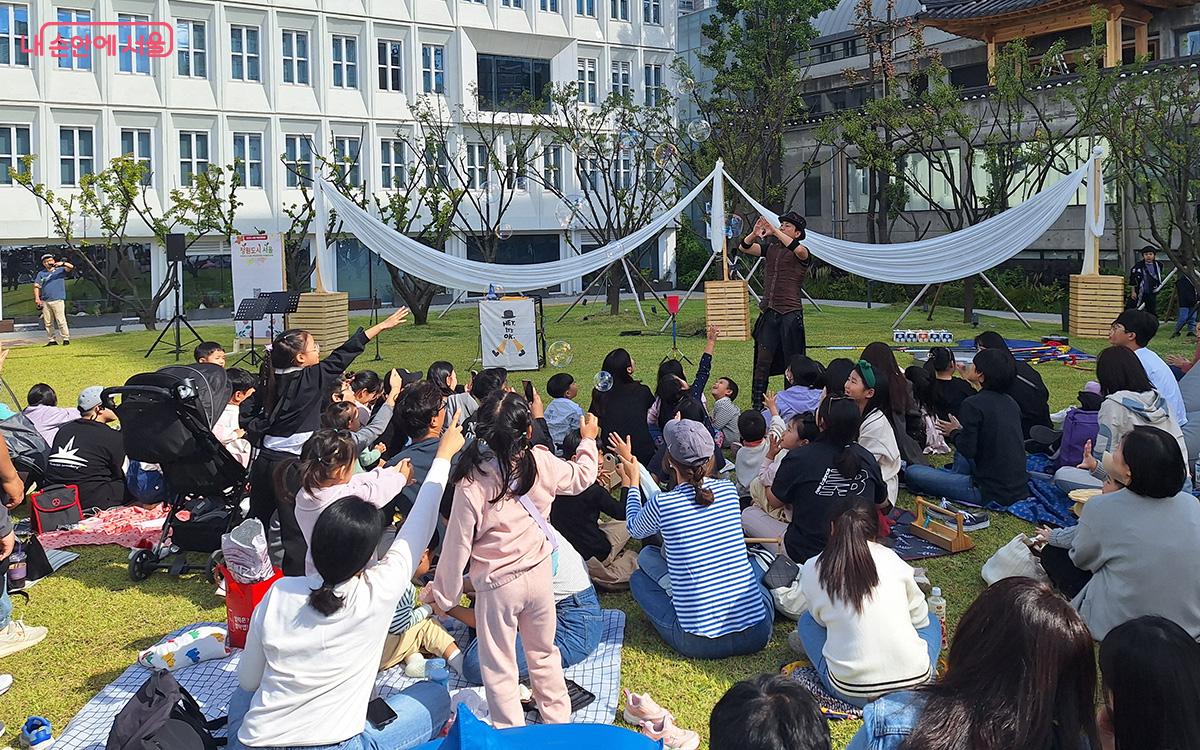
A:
[344, 541]
[839, 420]
[693, 475]
[502, 434]
[846, 570]
[325, 456]
[284, 350]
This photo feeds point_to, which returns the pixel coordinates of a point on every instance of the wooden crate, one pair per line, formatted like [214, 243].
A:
[727, 306]
[1093, 304]
[325, 315]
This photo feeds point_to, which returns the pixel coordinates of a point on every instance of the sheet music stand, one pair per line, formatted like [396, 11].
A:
[279, 303]
[250, 310]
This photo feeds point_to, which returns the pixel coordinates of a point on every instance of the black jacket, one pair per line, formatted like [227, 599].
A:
[90, 455]
[991, 438]
[577, 517]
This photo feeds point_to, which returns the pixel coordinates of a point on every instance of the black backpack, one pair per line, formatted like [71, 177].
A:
[163, 716]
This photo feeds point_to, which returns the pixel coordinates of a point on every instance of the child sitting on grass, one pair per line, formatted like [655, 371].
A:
[763, 520]
[748, 455]
[562, 413]
[228, 428]
[724, 412]
[413, 633]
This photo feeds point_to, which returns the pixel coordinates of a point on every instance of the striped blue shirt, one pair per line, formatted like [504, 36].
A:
[713, 586]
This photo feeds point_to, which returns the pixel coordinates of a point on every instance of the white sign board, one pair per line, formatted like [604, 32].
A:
[257, 266]
[508, 333]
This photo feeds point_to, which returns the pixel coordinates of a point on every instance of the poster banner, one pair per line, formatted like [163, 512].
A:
[257, 265]
[508, 333]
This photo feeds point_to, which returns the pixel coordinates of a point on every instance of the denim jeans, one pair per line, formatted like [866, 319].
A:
[421, 712]
[953, 483]
[813, 636]
[580, 625]
[649, 591]
[1187, 317]
[5, 603]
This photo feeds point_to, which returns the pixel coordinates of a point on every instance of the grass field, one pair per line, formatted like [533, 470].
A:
[98, 619]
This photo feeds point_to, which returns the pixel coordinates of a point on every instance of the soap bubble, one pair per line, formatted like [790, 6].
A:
[699, 130]
[734, 226]
[569, 209]
[603, 381]
[504, 231]
[630, 139]
[665, 154]
[685, 86]
[491, 189]
[559, 354]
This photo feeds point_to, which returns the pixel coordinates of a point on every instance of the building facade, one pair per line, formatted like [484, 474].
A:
[247, 82]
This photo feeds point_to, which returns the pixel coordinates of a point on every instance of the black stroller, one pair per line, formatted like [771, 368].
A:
[167, 418]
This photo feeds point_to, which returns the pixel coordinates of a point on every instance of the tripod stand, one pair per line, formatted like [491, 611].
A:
[178, 320]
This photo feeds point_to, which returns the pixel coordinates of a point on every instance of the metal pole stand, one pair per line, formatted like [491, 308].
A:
[177, 321]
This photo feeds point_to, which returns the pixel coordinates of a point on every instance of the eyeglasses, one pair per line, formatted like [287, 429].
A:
[1116, 327]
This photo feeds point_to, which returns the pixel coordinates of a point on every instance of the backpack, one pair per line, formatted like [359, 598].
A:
[161, 715]
[28, 449]
[1079, 426]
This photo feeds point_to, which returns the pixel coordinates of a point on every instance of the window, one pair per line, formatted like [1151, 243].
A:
[589, 168]
[652, 12]
[243, 53]
[619, 10]
[73, 58]
[136, 143]
[858, 188]
[622, 78]
[393, 162]
[134, 52]
[391, 68]
[248, 159]
[587, 80]
[513, 3]
[433, 68]
[193, 155]
[506, 81]
[295, 57]
[345, 62]
[346, 151]
[550, 6]
[14, 144]
[552, 167]
[516, 169]
[14, 34]
[1188, 42]
[926, 180]
[299, 153]
[585, 8]
[437, 166]
[812, 193]
[76, 157]
[191, 47]
[477, 166]
[654, 85]
[623, 169]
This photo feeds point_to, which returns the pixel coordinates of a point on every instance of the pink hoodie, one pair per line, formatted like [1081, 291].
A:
[501, 540]
[378, 487]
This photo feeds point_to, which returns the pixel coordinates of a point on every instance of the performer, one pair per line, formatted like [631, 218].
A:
[779, 330]
[1144, 278]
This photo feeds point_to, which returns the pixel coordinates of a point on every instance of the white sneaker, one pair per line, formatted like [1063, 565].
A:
[6, 682]
[414, 666]
[18, 636]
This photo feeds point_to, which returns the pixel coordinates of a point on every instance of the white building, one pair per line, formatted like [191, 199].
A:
[252, 80]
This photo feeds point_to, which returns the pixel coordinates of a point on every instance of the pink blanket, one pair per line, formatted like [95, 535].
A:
[130, 526]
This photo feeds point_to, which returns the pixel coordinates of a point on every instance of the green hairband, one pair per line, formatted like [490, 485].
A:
[867, 371]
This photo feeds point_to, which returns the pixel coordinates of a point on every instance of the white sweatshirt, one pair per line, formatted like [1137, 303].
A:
[378, 487]
[312, 676]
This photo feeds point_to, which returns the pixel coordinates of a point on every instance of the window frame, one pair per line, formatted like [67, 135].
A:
[297, 146]
[70, 61]
[652, 12]
[245, 170]
[552, 166]
[585, 8]
[16, 58]
[433, 76]
[343, 146]
[549, 6]
[622, 77]
[76, 159]
[393, 163]
[619, 10]
[135, 151]
[653, 78]
[294, 63]
[127, 55]
[189, 51]
[475, 166]
[190, 165]
[388, 72]
[251, 61]
[341, 46]
[12, 158]
[589, 90]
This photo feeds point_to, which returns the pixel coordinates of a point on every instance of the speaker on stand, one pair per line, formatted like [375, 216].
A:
[176, 248]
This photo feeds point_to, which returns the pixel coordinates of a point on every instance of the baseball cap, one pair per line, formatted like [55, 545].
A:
[89, 398]
[48, 255]
[688, 442]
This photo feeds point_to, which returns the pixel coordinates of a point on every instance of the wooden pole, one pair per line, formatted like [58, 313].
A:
[725, 258]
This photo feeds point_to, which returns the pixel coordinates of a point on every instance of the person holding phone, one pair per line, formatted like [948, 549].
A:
[779, 331]
[50, 296]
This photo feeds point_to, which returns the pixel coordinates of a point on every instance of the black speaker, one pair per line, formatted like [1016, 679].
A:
[176, 248]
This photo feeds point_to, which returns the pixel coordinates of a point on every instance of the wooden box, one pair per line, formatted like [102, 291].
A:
[1094, 302]
[727, 306]
[325, 315]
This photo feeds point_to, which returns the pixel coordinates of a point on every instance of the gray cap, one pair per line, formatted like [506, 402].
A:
[688, 442]
[48, 255]
[89, 398]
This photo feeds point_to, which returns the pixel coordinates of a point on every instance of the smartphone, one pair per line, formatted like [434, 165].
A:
[528, 390]
[379, 713]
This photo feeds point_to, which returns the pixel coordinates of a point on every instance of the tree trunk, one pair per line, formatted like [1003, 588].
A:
[417, 294]
[614, 291]
[968, 298]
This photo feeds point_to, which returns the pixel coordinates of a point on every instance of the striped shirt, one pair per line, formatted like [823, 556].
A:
[713, 586]
[409, 612]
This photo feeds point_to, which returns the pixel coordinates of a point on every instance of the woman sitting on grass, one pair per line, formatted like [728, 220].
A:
[868, 388]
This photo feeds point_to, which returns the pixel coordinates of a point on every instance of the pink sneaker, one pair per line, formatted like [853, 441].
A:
[672, 737]
[640, 707]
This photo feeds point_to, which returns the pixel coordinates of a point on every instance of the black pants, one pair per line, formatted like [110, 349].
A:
[1064, 576]
[273, 490]
[777, 337]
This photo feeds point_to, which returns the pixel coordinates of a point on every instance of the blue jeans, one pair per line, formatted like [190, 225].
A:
[579, 628]
[813, 636]
[421, 712]
[1187, 317]
[648, 584]
[5, 603]
[953, 483]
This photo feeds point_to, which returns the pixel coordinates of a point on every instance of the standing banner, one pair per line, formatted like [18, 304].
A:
[508, 333]
[257, 266]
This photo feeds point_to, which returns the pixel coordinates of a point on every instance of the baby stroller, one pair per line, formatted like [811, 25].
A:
[167, 418]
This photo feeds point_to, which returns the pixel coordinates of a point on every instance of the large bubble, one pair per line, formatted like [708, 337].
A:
[685, 86]
[559, 354]
[504, 231]
[603, 381]
[699, 130]
[665, 154]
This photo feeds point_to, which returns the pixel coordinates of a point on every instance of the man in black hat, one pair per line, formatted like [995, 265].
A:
[779, 331]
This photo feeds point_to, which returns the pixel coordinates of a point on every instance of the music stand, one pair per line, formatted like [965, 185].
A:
[279, 303]
[250, 310]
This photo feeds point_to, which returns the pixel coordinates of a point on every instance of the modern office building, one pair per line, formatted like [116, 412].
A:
[249, 81]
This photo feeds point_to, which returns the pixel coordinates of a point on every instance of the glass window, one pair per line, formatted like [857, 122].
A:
[243, 53]
[589, 169]
[345, 62]
[587, 80]
[619, 10]
[652, 12]
[393, 160]
[623, 169]
[76, 155]
[437, 166]
[812, 193]
[193, 155]
[14, 34]
[346, 153]
[191, 48]
[552, 167]
[513, 3]
[136, 143]
[858, 188]
[504, 81]
[654, 85]
[1188, 42]
[14, 143]
[433, 68]
[585, 8]
[299, 153]
[927, 180]
[550, 6]
[622, 78]
[77, 53]
[132, 36]
[295, 57]
[477, 166]
[248, 159]
[391, 68]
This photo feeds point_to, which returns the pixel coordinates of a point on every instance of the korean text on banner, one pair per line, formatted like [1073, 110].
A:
[257, 265]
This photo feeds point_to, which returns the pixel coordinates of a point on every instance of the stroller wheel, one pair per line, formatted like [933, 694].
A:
[210, 567]
[141, 565]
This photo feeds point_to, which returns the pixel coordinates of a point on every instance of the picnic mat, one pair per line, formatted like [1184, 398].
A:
[834, 709]
[212, 682]
[906, 544]
[129, 526]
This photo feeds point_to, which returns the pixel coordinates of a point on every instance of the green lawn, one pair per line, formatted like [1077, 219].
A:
[99, 619]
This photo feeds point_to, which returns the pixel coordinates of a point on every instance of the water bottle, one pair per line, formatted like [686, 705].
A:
[436, 671]
[937, 607]
[16, 568]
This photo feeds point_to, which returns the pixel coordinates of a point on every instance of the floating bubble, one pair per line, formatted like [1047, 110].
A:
[569, 209]
[603, 381]
[630, 139]
[504, 231]
[699, 130]
[685, 86]
[491, 189]
[559, 354]
[665, 154]
[734, 226]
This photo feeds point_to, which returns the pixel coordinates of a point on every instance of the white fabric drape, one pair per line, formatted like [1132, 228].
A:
[460, 273]
[716, 219]
[947, 257]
